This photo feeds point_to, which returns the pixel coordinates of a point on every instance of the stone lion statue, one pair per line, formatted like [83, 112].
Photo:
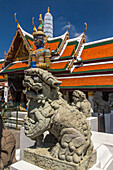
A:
[100, 104]
[81, 103]
[48, 111]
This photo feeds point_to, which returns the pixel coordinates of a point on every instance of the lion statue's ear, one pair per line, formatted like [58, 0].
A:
[56, 84]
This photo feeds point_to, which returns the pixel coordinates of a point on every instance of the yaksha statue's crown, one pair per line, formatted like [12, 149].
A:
[39, 30]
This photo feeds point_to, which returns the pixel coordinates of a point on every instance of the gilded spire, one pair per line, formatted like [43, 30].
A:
[16, 21]
[48, 10]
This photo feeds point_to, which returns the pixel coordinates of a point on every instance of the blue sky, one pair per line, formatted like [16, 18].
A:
[98, 14]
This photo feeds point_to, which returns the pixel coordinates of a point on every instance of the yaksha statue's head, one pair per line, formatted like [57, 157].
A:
[38, 34]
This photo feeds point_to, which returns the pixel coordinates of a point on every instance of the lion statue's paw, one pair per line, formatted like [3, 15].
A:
[73, 145]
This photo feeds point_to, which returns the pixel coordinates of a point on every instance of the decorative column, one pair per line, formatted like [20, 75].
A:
[6, 88]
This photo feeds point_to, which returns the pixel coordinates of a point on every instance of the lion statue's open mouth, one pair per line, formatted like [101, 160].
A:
[47, 110]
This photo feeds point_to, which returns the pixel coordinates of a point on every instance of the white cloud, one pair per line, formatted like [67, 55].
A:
[77, 34]
[65, 27]
[61, 25]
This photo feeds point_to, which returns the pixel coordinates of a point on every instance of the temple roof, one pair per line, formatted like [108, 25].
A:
[87, 82]
[98, 50]
[94, 70]
[1, 77]
[15, 67]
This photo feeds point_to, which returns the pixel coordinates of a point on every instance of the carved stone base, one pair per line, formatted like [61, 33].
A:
[41, 157]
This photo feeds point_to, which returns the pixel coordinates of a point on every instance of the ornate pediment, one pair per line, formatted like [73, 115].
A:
[22, 53]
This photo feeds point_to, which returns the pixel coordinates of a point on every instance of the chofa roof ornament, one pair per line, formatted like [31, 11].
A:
[34, 29]
[85, 29]
[18, 26]
[68, 28]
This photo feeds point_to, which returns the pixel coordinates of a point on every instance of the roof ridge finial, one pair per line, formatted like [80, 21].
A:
[34, 29]
[16, 21]
[85, 28]
[48, 10]
[68, 28]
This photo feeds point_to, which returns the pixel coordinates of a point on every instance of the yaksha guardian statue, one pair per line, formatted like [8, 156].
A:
[48, 111]
[100, 104]
[40, 57]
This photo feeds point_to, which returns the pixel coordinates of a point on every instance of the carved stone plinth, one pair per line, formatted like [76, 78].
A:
[41, 157]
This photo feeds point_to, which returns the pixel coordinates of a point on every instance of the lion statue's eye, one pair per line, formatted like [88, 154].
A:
[36, 79]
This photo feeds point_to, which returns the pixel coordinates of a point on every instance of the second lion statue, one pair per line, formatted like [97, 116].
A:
[48, 111]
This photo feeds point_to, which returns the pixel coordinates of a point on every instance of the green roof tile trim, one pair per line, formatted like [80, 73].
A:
[73, 43]
[53, 41]
[1, 62]
[98, 44]
[62, 69]
[93, 86]
[1, 80]
[99, 58]
[13, 70]
[91, 71]
[27, 37]
[67, 57]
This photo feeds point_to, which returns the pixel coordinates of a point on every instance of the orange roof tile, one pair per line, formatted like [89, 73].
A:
[68, 50]
[58, 65]
[18, 65]
[1, 65]
[52, 46]
[97, 52]
[1, 77]
[32, 44]
[93, 67]
[87, 81]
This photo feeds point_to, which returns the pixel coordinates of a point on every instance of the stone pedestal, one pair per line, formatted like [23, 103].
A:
[24, 143]
[93, 123]
[108, 121]
[41, 157]
[22, 165]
